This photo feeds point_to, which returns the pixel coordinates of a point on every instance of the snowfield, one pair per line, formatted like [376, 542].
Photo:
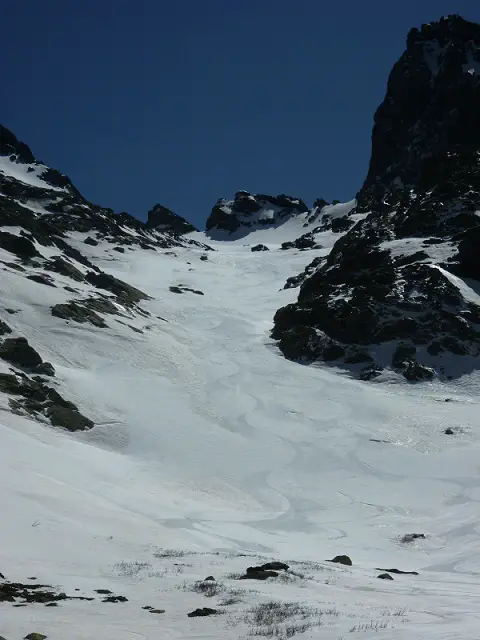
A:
[212, 453]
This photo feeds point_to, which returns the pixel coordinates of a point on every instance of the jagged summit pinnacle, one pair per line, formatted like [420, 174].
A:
[10, 145]
[160, 217]
[395, 279]
[428, 126]
[450, 28]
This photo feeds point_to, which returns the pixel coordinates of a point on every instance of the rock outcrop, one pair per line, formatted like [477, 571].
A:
[163, 219]
[46, 204]
[247, 212]
[394, 291]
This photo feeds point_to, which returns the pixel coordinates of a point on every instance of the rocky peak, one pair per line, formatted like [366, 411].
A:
[395, 292]
[163, 219]
[428, 125]
[45, 204]
[10, 145]
[249, 211]
[35, 172]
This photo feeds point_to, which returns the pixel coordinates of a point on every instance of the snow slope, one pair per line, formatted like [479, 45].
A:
[208, 444]
[29, 174]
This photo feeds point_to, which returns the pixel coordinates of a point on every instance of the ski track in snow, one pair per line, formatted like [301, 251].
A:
[208, 440]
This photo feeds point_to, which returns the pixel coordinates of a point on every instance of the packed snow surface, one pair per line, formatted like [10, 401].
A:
[209, 444]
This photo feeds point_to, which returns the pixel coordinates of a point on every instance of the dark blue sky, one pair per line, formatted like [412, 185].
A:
[183, 102]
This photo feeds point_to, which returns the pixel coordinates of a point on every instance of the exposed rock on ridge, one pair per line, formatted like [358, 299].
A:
[247, 212]
[159, 217]
[391, 280]
[45, 202]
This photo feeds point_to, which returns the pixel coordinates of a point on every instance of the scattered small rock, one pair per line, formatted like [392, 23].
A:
[68, 418]
[4, 328]
[125, 293]
[148, 608]
[385, 576]
[264, 571]
[45, 369]
[35, 636]
[91, 241]
[410, 537]
[412, 573]
[37, 399]
[18, 352]
[64, 268]
[202, 612]
[119, 249]
[258, 573]
[182, 289]
[103, 592]
[343, 560]
[21, 246]
[157, 610]
[209, 579]
[259, 247]
[41, 279]
[449, 432]
[275, 566]
[115, 599]
[204, 258]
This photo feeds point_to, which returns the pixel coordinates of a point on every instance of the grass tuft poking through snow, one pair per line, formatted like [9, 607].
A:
[284, 619]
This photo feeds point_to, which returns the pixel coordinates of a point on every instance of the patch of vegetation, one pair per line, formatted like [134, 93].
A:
[233, 576]
[170, 553]
[399, 612]
[286, 631]
[207, 588]
[131, 569]
[373, 625]
[284, 619]
[230, 600]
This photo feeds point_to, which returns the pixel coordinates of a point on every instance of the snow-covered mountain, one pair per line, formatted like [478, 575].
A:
[246, 213]
[156, 446]
[400, 289]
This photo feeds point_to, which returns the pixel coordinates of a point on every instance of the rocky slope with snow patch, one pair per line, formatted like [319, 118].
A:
[45, 204]
[247, 212]
[47, 228]
[400, 289]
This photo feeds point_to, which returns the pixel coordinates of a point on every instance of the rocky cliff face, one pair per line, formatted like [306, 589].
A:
[394, 292]
[47, 234]
[427, 130]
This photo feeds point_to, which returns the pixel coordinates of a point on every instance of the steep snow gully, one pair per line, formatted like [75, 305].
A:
[208, 440]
